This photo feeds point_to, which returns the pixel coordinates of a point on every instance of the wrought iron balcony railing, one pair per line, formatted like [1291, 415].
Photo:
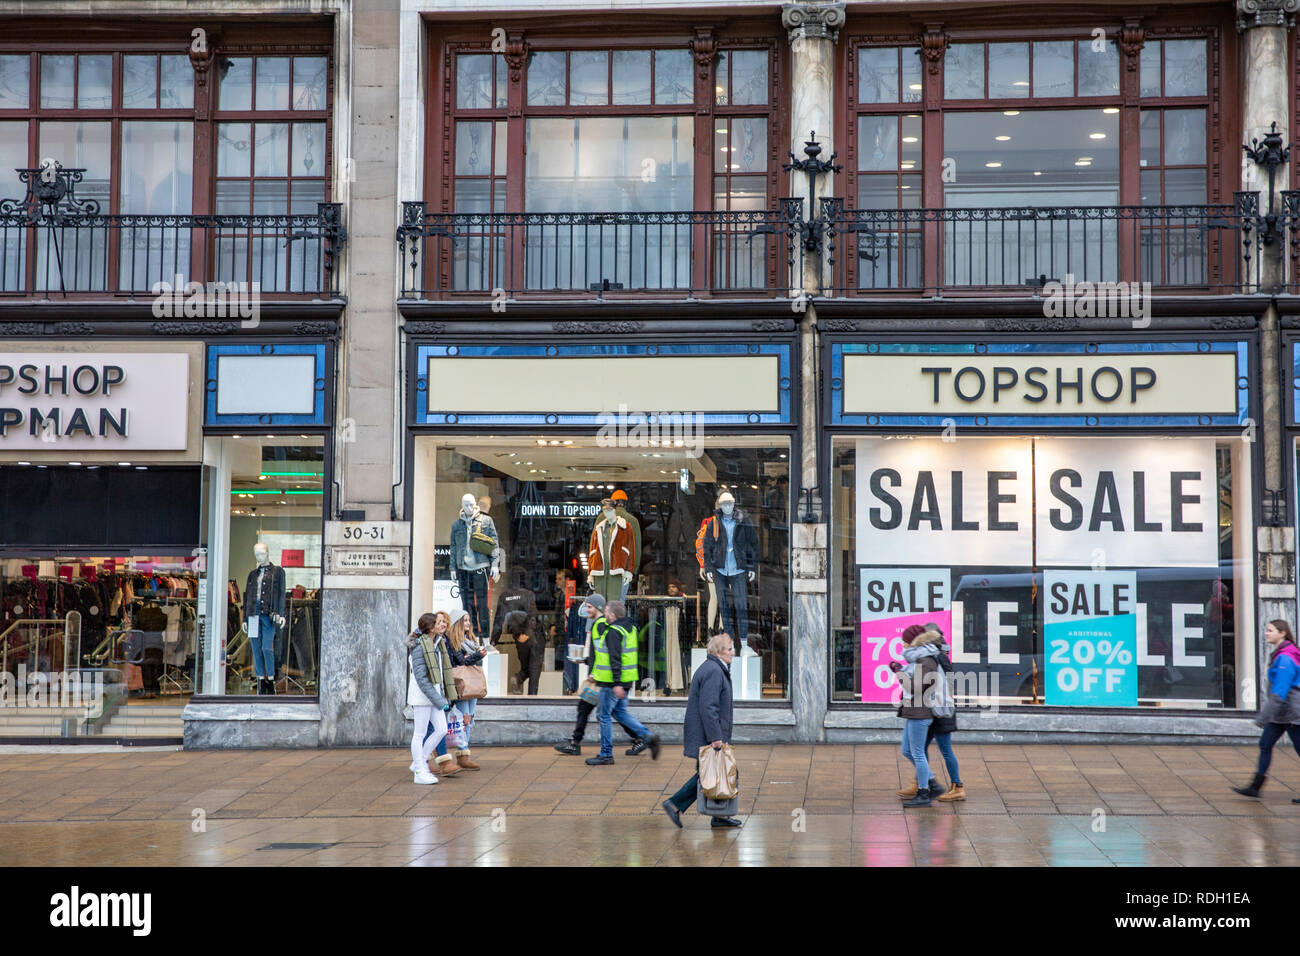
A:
[54, 243]
[751, 252]
[1208, 248]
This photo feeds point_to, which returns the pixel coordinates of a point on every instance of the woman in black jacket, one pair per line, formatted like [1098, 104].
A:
[708, 721]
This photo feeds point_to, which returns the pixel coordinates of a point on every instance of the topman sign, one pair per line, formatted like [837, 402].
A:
[88, 402]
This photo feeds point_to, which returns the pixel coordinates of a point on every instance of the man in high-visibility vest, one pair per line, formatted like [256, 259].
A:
[613, 641]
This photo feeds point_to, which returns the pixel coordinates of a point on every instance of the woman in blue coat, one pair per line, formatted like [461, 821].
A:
[708, 721]
[1280, 710]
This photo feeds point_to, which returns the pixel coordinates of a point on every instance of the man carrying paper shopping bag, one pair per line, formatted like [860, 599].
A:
[708, 722]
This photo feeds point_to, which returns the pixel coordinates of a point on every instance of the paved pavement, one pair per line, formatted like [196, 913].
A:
[1028, 805]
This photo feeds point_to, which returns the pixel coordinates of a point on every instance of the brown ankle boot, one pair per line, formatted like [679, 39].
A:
[447, 767]
[465, 762]
[956, 792]
[909, 791]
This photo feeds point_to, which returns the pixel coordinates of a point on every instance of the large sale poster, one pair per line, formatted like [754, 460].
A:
[1090, 631]
[966, 501]
[892, 600]
[1122, 503]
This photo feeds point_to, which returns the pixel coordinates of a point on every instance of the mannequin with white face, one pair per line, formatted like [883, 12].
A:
[264, 606]
[471, 565]
[730, 560]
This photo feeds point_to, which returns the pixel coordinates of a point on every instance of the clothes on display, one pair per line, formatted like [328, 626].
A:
[123, 614]
[472, 566]
[730, 563]
[611, 560]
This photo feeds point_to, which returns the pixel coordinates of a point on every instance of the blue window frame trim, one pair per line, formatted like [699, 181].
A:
[422, 415]
[1295, 383]
[215, 352]
[1240, 348]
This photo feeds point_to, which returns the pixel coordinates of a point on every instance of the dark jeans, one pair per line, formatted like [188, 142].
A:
[686, 797]
[585, 710]
[733, 604]
[473, 598]
[1271, 735]
[531, 653]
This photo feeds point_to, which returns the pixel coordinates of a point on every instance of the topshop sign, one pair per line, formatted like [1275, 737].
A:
[119, 401]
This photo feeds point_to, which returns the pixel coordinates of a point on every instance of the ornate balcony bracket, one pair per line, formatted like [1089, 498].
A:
[51, 196]
[1271, 154]
[812, 229]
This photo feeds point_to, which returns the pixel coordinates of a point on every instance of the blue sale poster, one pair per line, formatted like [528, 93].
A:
[1090, 632]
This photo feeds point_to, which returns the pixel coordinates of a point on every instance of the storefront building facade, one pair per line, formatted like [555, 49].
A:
[978, 323]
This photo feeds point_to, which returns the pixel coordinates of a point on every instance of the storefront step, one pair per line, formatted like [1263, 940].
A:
[161, 722]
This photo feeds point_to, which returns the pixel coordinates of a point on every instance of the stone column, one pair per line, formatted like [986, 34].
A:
[364, 618]
[814, 28]
[1265, 100]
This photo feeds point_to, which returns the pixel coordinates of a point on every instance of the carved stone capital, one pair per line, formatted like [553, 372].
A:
[813, 21]
[934, 44]
[704, 47]
[516, 55]
[1266, 13]
[1131, 40]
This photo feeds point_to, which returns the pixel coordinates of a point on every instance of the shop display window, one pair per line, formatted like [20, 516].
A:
[544, 496]
[276, 494]
[128, 623]
[1103, 571]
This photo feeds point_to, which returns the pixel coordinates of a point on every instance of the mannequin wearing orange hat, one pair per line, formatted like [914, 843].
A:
[620, 508]
[610, 558]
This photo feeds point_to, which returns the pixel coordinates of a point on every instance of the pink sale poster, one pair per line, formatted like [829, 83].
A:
[893, 599]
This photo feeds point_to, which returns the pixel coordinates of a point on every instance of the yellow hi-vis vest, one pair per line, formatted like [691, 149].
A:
[602, 671]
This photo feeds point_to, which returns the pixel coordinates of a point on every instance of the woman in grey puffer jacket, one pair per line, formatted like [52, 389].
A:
[431, 690]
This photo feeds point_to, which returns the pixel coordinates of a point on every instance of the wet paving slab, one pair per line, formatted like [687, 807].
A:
[1057, 805]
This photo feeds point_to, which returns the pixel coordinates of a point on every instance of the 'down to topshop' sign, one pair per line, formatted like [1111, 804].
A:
[90, 402]
[1108, 502]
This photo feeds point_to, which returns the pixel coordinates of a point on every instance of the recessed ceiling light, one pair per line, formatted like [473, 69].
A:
[909, 164]
[24, 463]
[914, 86]
[1038, 172]
[1003, 139]
[1020, 83]
[906, 187]
[74, 463]
[1083, 162]
[1011, 112]
[994, 165]
[1096, 136]
[1111, 110]
[236, 436]
[909, 139]
[124, 463]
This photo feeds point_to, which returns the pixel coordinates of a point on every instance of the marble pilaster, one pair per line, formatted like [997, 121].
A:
[363, 666]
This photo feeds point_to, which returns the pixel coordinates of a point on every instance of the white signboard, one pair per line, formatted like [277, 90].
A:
[1116, 502]
[266, 384]
[369, 533]
[344, 560]
[926, 501]
[100, 402]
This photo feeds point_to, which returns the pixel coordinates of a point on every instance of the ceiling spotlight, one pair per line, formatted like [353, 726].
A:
[1011, 112]
[993, 165]
[1096, 136]
[1111, 110]
[909, 139]
[1003, 139]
